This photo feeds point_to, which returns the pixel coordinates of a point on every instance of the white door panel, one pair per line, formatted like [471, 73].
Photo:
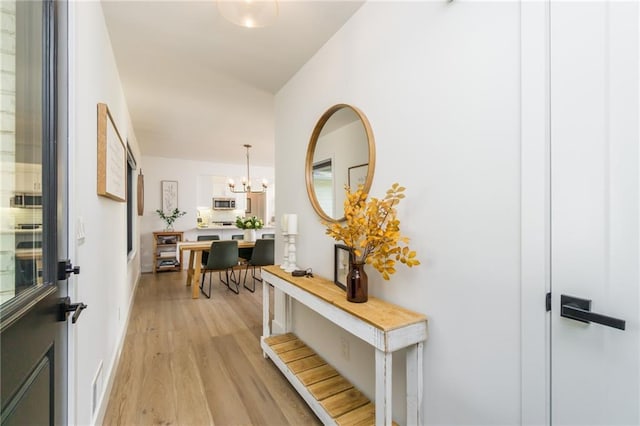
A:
[594, 210]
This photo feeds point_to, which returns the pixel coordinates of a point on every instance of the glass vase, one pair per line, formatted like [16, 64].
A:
[357, 283]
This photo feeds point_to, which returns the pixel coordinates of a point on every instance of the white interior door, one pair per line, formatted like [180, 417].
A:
[595, 369]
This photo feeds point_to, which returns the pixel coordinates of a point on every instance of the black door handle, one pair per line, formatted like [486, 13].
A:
[580, 310]
[65, 269]
[66, 306]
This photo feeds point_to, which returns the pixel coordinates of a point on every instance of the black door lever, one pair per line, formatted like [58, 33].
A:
[66, 306]
[580, 310]
[65, 269]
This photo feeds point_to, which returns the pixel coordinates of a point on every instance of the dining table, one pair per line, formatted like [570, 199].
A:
[194, 268]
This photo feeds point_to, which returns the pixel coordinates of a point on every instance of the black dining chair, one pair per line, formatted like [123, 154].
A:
[205, 254]
[262, 255]
[223, 256]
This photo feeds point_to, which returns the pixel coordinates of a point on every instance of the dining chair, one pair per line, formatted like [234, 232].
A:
[262, 255]
[223, 256]
[205, 254]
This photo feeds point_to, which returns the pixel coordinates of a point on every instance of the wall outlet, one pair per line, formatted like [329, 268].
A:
[344, 348]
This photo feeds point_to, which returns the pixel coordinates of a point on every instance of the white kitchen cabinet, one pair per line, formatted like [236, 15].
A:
[28, 177]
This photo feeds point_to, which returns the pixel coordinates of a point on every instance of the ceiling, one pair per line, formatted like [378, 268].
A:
[199, 87]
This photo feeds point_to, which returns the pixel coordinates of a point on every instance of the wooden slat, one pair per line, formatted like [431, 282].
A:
[305, 364]
[317, 374]
[344, 402]
[365, 415]
[288, 346]
[296, 354]
[279, 338]
[329, 387]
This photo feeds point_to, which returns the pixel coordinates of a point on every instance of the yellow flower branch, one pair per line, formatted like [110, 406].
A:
[372, 230]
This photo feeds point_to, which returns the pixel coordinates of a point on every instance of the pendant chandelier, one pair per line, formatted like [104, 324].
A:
[249, 13]
[246, 181]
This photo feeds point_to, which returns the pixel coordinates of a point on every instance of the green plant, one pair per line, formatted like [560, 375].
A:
[249, 222]
[170, 218]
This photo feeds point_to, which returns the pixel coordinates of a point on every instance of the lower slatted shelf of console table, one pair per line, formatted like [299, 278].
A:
[332, 397]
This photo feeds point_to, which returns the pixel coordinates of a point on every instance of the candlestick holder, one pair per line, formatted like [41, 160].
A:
[285, 258]
[291, 265]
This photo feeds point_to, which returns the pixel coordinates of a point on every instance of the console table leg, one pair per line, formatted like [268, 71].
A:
[266, 329]
[383, 388]
[414, 384]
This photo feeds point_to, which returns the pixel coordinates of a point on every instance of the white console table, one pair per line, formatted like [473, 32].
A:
[385, 326]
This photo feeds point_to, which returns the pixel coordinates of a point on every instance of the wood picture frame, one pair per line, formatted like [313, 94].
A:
[357, 175]
[169, 195]
[341, 262]
[112, 157]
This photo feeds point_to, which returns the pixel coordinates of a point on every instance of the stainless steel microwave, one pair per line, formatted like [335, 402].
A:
[224, 203]
[26, 200]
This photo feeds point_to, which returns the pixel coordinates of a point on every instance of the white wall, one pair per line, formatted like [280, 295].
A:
[187, 173]
[439, 83]
[108, 278]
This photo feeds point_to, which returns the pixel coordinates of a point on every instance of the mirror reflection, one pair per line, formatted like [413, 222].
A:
[341, 152]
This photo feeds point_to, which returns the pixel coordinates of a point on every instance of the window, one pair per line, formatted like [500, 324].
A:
[323, 185]
[131, 168]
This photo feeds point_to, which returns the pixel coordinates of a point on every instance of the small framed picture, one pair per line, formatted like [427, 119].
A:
[357, 175]
[341, 258]
[169, 190]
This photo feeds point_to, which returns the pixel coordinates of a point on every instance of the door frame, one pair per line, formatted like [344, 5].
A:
[535, 214]
[64, 32]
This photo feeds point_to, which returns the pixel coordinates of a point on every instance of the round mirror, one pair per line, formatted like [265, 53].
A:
[341, 152]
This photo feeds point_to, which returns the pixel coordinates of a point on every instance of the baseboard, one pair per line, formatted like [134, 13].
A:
[113, 367]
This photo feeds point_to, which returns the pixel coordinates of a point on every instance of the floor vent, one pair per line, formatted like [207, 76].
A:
[96, 387]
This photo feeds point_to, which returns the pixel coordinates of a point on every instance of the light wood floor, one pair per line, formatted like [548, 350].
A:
[199, 362]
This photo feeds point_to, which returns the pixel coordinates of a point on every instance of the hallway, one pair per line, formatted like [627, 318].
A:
[198, 362]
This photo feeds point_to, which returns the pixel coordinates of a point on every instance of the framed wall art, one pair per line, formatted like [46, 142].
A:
[112, 170]
[169, 193]
[358, 175]
[341, 258]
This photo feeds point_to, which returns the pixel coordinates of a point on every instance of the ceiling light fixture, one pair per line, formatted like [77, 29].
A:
[249, 13]
[246, 181]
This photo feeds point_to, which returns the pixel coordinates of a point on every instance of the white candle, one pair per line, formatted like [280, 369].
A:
[283, 223]
[292, 225]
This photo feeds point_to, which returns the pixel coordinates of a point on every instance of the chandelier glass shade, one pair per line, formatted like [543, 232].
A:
[249, 13]
[246, 181]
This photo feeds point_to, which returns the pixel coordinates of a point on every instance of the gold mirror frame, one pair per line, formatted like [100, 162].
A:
[311, 150]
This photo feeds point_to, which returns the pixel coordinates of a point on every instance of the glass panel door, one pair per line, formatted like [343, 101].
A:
[23, 114]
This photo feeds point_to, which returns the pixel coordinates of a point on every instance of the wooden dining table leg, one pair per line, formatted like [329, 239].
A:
[195, 288]
[190, 268]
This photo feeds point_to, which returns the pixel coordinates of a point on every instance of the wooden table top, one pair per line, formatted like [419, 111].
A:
[206, 245]
[29, 254]
[383, 315]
